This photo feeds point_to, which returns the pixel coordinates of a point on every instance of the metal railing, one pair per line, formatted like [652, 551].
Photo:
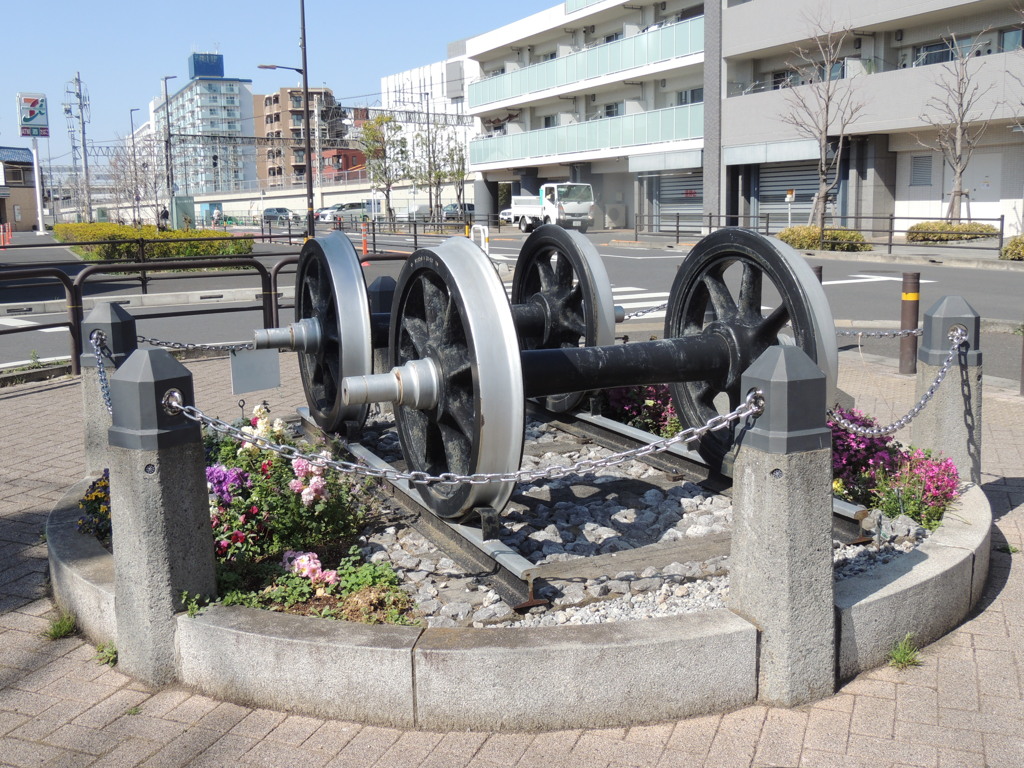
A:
[679, 224]
[887, 230]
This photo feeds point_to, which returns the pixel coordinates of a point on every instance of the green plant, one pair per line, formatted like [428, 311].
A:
[106, 653]
[132, 711]
[193, 603]
[947, 231]
[1013, 250]
[807, 238]
[123, 242]
[905, 653]
[1009, 549]
[34, 362]
[62, 626]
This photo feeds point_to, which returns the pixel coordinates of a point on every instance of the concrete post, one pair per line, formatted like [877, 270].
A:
[951, 422]
[781, 572]
[119, 328]
[163, 543]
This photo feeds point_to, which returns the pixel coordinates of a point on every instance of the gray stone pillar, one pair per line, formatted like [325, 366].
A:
[119, 328]
[951, 423]
[781, 561]
[163, 543]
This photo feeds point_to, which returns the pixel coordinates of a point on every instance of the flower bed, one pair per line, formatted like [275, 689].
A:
[276, 522]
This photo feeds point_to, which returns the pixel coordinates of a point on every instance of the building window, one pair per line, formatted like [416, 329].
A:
[550, 121]
[613, 110]
[941, 52]
[548, 56]
[921, 171]
[692, 96]
[14, 175]
[784, 79]
[1010, 39]
[613, 37]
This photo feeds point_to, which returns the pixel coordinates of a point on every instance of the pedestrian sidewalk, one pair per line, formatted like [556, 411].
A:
[963, 708]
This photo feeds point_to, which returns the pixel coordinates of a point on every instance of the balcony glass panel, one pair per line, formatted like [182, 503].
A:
[576, 5]
[672, 124]
[668, 42]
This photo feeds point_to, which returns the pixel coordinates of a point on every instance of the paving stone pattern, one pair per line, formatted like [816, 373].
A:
[963, 707]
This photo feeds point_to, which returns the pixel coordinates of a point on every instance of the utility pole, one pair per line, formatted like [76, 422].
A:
[83, 104]
[135, 170]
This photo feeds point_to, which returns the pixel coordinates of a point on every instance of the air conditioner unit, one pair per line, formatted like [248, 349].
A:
[615, 216]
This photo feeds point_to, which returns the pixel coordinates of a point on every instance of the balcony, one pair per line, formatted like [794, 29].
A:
[654, 127]
[657, 45]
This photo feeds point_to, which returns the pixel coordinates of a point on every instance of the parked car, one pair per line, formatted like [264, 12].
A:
[455, 211]
[348, 214]
[280, 216]
[506, 216]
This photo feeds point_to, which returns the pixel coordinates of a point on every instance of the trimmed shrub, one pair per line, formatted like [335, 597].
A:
[807, 238]
[945, 231]
[124, 245]
[1014, 249]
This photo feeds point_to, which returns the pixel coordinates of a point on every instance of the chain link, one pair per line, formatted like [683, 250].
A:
[642, 312]
[957, 336]
[883, 334]
[752, 406]
[98, 339]
[186, 345]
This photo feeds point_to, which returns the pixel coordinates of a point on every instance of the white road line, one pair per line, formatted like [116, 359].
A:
[868, 279]
[14, 322]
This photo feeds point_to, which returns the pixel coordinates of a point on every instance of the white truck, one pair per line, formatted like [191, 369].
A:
[567, 204]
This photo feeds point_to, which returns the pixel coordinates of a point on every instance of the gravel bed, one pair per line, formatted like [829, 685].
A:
[544, 529]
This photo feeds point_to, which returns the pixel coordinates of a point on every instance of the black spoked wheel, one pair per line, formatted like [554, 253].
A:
[563, 274]
[722, 288]
[452, 311]
[329, 287]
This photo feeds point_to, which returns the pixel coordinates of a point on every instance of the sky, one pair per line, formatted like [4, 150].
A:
[122, 49]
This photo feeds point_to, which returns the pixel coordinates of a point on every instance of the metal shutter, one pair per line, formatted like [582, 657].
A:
[778, 178]
[682, 195]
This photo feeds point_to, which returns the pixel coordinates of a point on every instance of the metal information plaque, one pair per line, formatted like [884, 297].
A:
[253, 370]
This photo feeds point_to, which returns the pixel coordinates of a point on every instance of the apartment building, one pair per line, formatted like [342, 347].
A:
[670, 107]
[279, 117]
[211, 126]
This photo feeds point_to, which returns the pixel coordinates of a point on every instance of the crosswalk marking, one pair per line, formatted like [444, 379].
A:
[16, 322]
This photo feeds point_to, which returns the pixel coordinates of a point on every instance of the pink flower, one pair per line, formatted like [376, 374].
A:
[301, 467]
[297, 485]
[328, 577]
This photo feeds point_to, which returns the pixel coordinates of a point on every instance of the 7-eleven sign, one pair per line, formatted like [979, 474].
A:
[32, 115]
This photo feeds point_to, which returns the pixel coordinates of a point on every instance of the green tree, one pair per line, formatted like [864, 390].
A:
[427, 167]
[387, 156]
[455, 168]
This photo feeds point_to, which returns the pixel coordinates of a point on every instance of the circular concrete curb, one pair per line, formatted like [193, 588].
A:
[525, 679]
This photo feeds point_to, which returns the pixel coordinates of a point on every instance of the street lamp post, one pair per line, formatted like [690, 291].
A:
[167, 151]
[135, 169]
[307, 148]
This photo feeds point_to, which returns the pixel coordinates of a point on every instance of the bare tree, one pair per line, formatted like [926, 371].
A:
[427, 167]
[387, 155]
[455, 168]
[955, 114]
[822, 104]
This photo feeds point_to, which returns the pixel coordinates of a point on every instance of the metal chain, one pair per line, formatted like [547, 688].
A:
[186, 345]
[883, 334]
[752, 406]
[643, 312]
[98, 339]
[957, 336]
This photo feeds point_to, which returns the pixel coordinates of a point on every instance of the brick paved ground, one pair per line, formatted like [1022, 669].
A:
[962, 708]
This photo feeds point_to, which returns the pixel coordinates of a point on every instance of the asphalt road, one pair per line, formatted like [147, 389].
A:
[857, 291]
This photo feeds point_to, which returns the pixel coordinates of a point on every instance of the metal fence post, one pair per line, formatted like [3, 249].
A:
[118, 328]
[952, 421]
[781, 561]
[910, 313]
[892, 226]
[162, 540]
